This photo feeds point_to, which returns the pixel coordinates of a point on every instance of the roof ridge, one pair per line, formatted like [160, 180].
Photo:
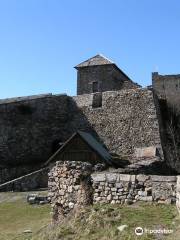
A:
[98, 59]
[100, 54]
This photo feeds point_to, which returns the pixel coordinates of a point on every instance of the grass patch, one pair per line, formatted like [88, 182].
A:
[98, 222]
[101, 222]
[17, 216]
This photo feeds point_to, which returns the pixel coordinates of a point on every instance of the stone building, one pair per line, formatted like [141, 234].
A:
[167, 87]
[123, 117]
[99, 74]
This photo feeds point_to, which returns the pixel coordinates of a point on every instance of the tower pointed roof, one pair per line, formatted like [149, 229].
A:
[99, 59]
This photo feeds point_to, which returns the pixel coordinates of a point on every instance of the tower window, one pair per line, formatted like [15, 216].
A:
[95, 87]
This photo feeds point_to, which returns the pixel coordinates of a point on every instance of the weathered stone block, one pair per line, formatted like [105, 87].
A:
[125, 177]
[142, 178]
[145, 198]
[109, 197]
[146, 151]
[111, 177]
[142, 193]
[157, 178]
[119, 185]
[100, 177]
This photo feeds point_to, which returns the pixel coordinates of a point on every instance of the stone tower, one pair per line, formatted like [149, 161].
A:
[167, 87]
[99, 74]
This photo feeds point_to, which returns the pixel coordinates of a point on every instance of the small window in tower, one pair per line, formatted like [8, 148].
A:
[95, 87]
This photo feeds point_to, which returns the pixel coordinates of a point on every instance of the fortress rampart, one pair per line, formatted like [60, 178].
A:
[31, 128]
[128, 117]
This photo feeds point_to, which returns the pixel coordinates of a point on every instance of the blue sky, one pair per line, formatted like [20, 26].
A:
[42, 40]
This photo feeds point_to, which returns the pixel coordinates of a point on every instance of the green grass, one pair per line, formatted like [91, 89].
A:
[17, 216]
[98, 222]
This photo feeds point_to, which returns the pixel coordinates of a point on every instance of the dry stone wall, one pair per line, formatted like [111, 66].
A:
[178, 194]
[125, 188]
[74, 184]
[69, 187]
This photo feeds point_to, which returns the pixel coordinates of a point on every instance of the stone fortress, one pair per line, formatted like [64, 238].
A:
[139, 127]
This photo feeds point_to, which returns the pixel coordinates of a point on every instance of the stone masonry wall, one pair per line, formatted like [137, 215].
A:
[69, 187]
[167, 87]
[125, 188]
[31, 127]
[127, 119]
[109, 78]
[7, 174]
[32, 181]
[178, 194]
[73, 185]
[28, 128]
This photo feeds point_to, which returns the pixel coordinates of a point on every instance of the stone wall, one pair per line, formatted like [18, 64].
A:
[124, 188]
[29, 127]
[108, 77]
[74, 184]
[69, 187]
[128, 119]
[32, 127]
[7, 174]
[32, 181]
[167, 87]
[178, 194]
